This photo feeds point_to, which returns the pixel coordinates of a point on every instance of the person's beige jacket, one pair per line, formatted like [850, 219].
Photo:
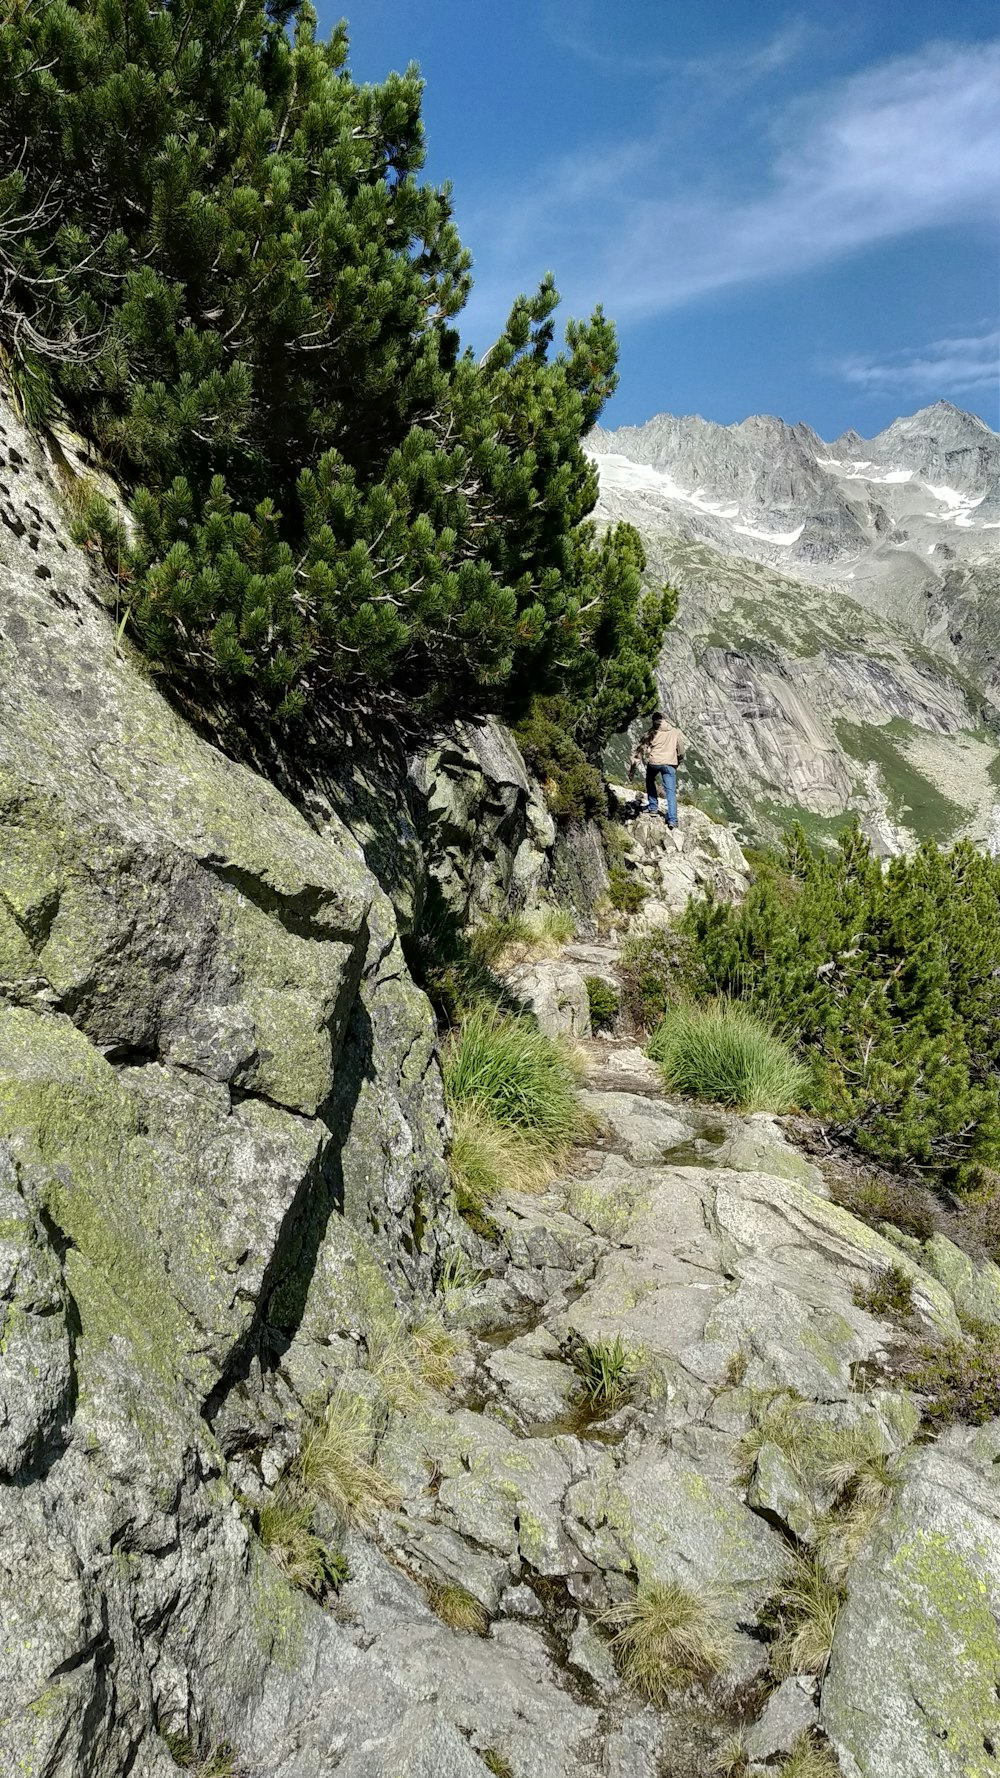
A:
[660, 747]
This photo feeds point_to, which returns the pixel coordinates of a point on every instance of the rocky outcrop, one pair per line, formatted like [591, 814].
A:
[487, 833]
[836, 649]
[213, 1066]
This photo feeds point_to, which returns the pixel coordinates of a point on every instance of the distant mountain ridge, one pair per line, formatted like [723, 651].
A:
[838, 643]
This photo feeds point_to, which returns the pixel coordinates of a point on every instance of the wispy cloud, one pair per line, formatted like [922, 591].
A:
[726, 71]
[966, 363]
[908, 145]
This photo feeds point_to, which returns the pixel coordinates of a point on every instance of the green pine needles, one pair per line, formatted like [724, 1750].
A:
[888, 978]
[218, 256]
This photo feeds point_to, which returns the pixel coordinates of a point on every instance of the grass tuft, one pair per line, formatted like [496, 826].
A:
[515, 1111]
[497, 1763]
[726, 1054]
[664, 1638]
[604, 1370]
[334, 1461]
[458, 1608]
[803, 1615]
[810, 1758]
[434, 1350]
[284, 1526]
[499, 942]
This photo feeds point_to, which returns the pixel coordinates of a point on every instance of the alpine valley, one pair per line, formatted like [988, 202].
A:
[837, 646]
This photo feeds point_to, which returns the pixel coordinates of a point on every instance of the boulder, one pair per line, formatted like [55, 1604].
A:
[923, 1619]
[556, 993]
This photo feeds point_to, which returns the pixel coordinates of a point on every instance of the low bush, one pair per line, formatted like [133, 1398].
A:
[626, 894]
[889, 980]
[960, 1380]
[604, 1001]
[888, 1294]
[879, 1198]
[652, 967]
[664, 1637]
[573, 788]
[726, 1054]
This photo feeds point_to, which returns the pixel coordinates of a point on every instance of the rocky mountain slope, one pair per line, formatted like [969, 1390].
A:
[838, 642]
[227, 1245]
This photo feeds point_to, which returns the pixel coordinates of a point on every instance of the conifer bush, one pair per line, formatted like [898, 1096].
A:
[889, 979]
[217, 255]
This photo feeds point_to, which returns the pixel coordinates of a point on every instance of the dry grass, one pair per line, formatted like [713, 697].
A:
[434, 1349]
[458, 1608]
[334, 1461]
[284, 1526]
[664, 1638]
[804, 1616]
[810, 1758]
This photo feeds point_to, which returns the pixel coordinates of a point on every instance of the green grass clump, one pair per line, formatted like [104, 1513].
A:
[334, 1461]
[665, 1637]
[605, 1003]
[515, 1111]
[434, 1349]
[726, 1054]
[218, 1762]
[458, 1608]
[810, 1758]
[284, 1526]
[497, 1763]
[512, 938]
[803, 1616]
[960, 1379]
[604, 1370]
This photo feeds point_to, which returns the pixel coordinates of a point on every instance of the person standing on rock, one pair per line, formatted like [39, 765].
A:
[661, 751]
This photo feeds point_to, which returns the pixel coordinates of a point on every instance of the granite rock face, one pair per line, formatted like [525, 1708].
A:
[836, 647]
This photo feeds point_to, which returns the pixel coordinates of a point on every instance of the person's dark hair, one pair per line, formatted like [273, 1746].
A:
[659, 719]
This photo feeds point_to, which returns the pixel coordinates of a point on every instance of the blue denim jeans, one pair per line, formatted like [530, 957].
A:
[669, 776]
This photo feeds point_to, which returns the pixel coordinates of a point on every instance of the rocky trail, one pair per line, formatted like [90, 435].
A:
[707, 1247]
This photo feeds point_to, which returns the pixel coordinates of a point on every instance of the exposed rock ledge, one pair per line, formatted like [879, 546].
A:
[222, 1173]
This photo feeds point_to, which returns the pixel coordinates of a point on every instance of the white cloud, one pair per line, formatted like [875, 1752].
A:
[968, 363]
[907, 145]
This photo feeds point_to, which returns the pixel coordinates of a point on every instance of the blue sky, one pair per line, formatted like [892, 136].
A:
[786, 209]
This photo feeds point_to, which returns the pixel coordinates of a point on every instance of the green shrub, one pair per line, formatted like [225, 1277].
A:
[572, 786]
[725, 1054]
[626, 894]
[653, 967]
[221, 258]
[960, 1380]
[604, 1001]
[890, 1293]
[889, 980]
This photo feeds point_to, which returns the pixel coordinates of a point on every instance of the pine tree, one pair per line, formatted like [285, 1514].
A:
[217, 250]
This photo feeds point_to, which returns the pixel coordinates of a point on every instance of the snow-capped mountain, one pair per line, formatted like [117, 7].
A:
[837, 647]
